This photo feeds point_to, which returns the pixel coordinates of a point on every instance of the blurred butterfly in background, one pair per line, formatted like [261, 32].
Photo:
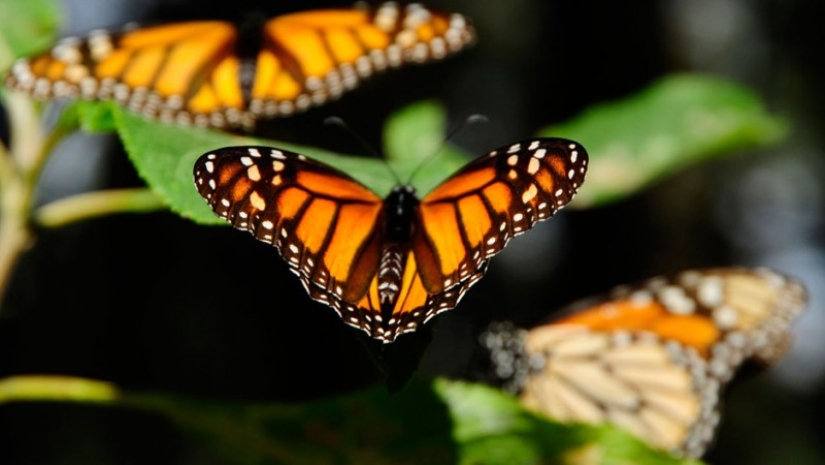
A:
[208, 73]
[654, 358]
[388, 265]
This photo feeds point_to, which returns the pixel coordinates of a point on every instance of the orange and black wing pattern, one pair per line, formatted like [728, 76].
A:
[194, 73]
[387, 265]
[652, 358]
[471, 216]
[323, 222]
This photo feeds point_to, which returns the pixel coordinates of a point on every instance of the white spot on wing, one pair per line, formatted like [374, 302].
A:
[253, 173]
[533, 166]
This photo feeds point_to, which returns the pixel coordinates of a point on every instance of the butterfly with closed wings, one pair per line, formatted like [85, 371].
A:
[387, 265]
[652, 358]
[208, 73]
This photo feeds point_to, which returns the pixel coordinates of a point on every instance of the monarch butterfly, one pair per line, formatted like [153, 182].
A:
[652, 358]
[207, 73]
[386, 266]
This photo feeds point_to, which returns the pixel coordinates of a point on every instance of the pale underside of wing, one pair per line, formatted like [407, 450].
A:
[654, 390]
[654, 358]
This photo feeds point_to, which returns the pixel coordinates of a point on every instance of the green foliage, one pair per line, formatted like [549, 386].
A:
[442, 422]
[164, 154]
[368, 427]
[632, 142]
[26, 27]
[414, 144]
[676, 121]
[436, 422]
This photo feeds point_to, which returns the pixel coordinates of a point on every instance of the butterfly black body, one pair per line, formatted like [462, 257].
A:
[399, 209]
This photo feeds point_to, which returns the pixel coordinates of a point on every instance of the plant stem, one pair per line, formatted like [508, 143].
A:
[92, 204]
[19, 170]
[56, 388]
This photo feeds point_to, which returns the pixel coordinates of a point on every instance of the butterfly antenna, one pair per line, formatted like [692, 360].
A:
[337, 121]
[472, 119]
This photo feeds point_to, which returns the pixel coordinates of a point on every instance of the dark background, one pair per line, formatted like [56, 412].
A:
[156, 302]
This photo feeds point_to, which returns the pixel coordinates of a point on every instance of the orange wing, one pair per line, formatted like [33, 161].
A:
[471, 216]
[653, 358]
[193, 72]
[323, 222]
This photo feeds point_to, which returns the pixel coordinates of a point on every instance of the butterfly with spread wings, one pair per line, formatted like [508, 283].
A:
[208, 73]
[651, 358]
[388, 265]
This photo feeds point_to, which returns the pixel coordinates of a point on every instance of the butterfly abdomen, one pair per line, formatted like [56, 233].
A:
[399, 209]
[390, 272]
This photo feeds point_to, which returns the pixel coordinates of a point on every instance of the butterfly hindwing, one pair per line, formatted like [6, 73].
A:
[473, 214]
[652, 358]
[193, 72]
[321, 220]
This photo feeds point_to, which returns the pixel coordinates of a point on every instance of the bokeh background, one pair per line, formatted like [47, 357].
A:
[156, 302]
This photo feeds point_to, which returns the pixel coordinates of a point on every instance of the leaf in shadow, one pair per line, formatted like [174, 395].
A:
[433, 422]
[678, 120]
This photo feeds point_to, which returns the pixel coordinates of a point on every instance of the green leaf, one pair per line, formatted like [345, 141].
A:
[676, 121]
[164, 154]
[414, 141]
[492, 428]
[439, 422]
[372, 426]
[91, 116]
[26, 27]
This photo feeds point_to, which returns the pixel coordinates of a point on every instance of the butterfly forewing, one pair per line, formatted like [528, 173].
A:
[192, 72]
[652, 358]
[471, 216]
[321, 220]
